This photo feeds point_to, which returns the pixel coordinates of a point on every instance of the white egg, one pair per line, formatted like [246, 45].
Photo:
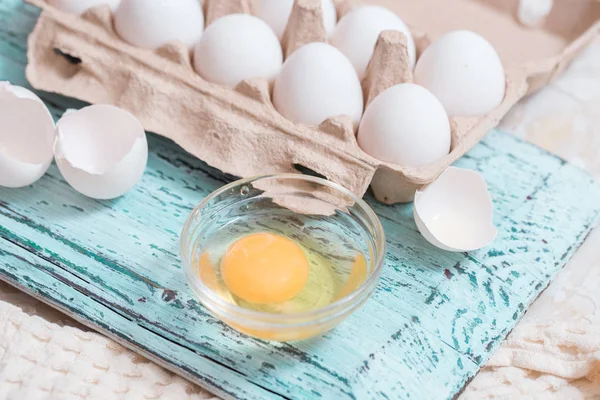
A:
[532, 13]
[151, 24]
[405, 125]
[78, 7]
[26, 136]
[237, 47]
[101, 151]
[277, 12]
[357, 32]
[464, 72]
[317, 82]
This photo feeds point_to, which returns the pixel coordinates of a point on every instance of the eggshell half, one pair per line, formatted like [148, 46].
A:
[455, 212]
[78, 7]
[238, 47]
[405, 125]
[464, 71]
[276, 14]
[101, 151]
[151, 24]
[318, 82]
[26, 136]
[357, 32]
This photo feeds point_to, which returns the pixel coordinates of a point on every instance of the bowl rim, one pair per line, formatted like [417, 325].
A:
[259, 318]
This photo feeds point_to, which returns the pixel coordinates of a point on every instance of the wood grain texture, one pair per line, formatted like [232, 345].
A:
[433, 321]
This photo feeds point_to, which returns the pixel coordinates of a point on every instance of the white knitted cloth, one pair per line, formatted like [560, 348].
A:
[42, 360]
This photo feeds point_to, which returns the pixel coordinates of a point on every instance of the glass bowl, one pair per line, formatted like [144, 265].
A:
[327, 220]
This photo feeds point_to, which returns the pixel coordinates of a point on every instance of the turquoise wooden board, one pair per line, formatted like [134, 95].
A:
[433, 321]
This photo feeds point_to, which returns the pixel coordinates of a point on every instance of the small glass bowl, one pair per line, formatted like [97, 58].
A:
[302, 208]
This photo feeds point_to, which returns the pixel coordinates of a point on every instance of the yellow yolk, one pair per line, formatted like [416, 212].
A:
[264, 268]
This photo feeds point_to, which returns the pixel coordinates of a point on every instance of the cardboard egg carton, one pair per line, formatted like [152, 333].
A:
[239, 131]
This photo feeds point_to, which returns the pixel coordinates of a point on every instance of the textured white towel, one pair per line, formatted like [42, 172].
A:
[41, 360]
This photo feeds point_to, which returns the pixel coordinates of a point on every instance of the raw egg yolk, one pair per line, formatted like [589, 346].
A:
[264, 268]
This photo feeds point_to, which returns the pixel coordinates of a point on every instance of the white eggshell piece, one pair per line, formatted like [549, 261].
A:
[238, 47]
[464, 71]
[455, 212]
[276, 14]
[78, 7]
[405, 125]
[317, 82]
[357, 32]
[151, 24]
[101, 151]
[26, 136]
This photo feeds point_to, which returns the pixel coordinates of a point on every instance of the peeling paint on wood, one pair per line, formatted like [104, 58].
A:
[433, 321]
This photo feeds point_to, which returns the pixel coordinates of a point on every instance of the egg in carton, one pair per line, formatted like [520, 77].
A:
[239, 131]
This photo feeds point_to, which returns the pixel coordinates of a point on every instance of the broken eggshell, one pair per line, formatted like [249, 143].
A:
[455, 212]
[101, 151]
[26, 137]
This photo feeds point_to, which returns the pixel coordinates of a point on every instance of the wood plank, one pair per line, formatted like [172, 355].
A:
[19, 265]
[125, 256]
[122, 256]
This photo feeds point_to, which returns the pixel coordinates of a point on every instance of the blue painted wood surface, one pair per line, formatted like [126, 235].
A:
[433, 321]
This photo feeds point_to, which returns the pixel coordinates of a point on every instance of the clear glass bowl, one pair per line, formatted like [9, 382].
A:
[320, 215]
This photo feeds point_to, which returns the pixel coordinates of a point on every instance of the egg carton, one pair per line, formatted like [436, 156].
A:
[239, 131]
